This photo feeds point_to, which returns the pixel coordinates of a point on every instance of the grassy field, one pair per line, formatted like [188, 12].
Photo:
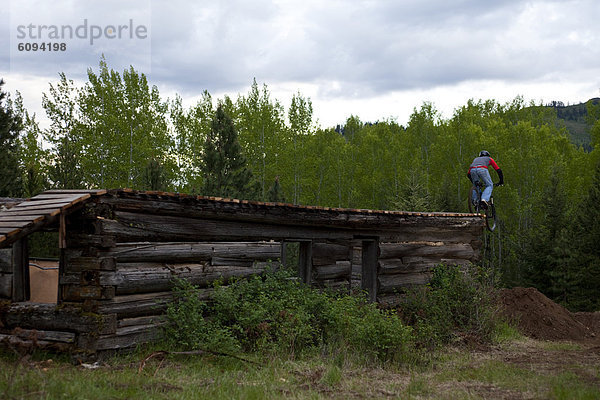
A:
[518, 369]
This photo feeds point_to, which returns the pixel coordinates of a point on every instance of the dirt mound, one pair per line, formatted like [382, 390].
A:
[540, 318]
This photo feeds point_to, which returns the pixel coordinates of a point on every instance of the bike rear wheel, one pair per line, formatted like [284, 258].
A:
[490, 216]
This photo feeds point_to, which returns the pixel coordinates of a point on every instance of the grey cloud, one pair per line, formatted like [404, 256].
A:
[354, 49]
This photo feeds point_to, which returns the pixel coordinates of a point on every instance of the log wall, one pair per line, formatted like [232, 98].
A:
[123, 250]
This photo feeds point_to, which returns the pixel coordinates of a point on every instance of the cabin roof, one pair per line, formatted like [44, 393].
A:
[40, 211]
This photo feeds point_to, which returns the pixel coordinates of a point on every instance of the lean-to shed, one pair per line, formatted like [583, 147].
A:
[121, 249]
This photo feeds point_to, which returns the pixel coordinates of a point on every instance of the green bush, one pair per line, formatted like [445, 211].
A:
[364, 328]
[188, 328]
[277, 312]
[459, 302]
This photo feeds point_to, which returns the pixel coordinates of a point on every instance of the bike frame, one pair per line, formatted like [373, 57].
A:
[490, 211]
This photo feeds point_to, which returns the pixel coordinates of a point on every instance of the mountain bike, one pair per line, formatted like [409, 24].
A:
[475, 206]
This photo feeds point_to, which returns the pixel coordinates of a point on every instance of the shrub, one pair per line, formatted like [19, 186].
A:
[187, 326]
[353, 323]
[459, 302]
[277, 312]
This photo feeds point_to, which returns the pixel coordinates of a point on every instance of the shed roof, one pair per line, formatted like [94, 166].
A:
[39, 211]
[44, 209]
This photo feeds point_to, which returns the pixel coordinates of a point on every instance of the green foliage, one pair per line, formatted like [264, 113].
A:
[583, 276]
[104, 133]
[114, 125]
[225, 170]
[277, 312]
[459, 302]
[10, 170]
[265, 141]
[546, 245]
[275, 193]
[154, 176]
[188, 328]
[365, 329]
[43, 245]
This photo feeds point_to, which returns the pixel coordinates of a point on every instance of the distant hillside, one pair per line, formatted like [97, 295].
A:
[574, 118]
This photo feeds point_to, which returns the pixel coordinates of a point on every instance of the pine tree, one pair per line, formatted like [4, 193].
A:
[224, 166]
[275, 194]
[154, 176]
[66, 172]
[10, 171]
[585, 264]
[545, 255]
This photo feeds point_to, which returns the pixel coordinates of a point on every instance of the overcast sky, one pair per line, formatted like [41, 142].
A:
[375, 59]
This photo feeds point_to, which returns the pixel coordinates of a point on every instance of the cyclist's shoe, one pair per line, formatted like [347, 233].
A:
[484, 204]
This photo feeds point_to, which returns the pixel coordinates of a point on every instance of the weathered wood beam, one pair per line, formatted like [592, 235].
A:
[194, 251]
[341, 269]
[441, 249]
[130, 336]
[131, 278]
[136, 305]
[52, 318]
[296, 216]
[132, 227]
[399, 282]
[37, 335]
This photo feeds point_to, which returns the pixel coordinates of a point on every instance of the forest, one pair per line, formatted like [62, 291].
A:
[117, 131]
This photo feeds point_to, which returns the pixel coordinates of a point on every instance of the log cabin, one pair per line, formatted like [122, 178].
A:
[119, 251]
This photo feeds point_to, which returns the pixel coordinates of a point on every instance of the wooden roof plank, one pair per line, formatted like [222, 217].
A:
[14, 224]
[8, 231]
[96, 192]
[23, 218]
[42, 208]
[6, 239]
[61, 201]
[41, 213]
[50, 196]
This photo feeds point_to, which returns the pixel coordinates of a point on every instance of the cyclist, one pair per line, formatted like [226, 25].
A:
[478, 172]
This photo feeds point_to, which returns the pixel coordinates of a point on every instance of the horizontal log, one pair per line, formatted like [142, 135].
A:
[288, 215]
[341, 269]
[331, 250]
[50, 336]
[141, 321]
[131, 227]
[131, 278]
[399, 282]
[13, 342]
[415, 264]
[435, 260]
[441, 249]
[452, 234]
[137, 305]
[194, 251]
[398, 266]
[130, 336]
[55, 318]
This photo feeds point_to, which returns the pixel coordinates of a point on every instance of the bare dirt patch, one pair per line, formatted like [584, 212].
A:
[539, 317]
